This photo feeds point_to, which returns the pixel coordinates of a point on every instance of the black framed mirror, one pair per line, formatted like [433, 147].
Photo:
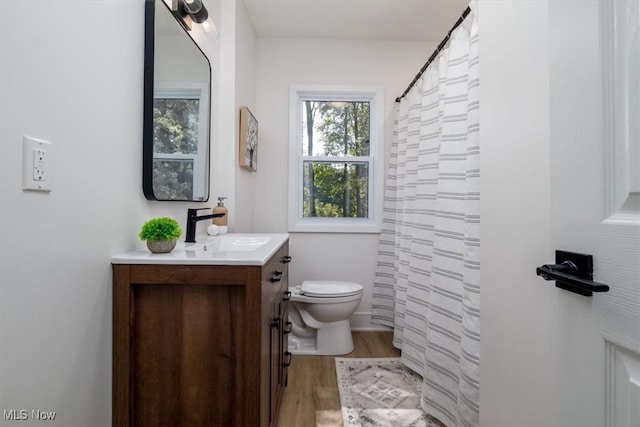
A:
[177, 110]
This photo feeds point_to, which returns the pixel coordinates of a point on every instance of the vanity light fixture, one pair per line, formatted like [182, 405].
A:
[195, 9]
[191, 11]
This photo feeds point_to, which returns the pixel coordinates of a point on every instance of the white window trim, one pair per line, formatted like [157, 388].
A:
[190, 90]
[373, 224]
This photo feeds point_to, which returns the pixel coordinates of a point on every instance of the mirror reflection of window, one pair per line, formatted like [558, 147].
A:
[179, 136]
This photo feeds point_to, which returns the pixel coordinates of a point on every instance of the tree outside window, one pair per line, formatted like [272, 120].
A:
[335, 130]
[175, 146]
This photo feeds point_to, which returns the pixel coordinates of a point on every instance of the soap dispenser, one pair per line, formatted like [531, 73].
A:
[222, 221]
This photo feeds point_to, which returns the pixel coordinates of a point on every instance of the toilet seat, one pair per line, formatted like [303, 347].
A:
[329, 289]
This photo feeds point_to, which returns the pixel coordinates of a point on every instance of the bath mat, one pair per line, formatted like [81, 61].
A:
[379, 392]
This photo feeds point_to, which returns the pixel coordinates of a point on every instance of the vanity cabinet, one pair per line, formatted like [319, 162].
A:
[200, 344]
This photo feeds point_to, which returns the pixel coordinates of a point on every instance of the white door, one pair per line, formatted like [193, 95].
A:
[595, 150]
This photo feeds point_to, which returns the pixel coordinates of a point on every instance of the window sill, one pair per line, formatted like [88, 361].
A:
[334, 225]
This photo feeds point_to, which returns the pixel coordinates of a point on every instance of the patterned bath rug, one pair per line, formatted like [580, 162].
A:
[380, 393]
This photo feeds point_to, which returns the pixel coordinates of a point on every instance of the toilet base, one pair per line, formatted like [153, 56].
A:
[302, 345]
[332, 339]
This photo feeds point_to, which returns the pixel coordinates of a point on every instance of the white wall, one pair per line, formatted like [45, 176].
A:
[281, 62]
[73, 76]
[515, 373]
[245, 81]
[236, 87]
[223, 97]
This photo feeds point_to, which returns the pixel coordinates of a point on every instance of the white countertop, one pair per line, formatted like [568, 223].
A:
[225, 249]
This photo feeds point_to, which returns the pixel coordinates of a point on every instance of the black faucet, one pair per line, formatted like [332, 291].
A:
[192, 220]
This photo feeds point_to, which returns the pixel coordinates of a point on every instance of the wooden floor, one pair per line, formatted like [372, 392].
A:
[311, 397]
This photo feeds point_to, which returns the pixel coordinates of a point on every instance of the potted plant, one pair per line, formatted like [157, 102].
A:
[161, 234]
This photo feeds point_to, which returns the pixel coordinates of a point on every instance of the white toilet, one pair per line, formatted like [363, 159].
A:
[320, 317]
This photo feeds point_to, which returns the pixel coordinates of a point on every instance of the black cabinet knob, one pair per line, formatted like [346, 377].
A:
[277, 276]
[288, 362]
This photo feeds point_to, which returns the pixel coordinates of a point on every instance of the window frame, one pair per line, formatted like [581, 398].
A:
[375, 96]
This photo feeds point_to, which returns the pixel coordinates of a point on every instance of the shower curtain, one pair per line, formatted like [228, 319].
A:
[427, 278]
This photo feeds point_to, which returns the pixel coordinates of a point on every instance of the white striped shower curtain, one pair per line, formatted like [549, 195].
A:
[427, 280]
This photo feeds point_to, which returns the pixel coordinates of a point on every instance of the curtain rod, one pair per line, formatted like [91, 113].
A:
[433, 56]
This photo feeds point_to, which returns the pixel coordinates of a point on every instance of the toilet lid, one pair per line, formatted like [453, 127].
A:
[329, 288]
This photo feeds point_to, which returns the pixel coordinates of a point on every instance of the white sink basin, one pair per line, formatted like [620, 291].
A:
[229, 243]
[226, 249]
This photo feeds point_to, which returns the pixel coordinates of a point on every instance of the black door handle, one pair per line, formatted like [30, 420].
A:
[570, 282]
[572, 272]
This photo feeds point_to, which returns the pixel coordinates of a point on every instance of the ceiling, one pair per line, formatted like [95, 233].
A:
[399, 20]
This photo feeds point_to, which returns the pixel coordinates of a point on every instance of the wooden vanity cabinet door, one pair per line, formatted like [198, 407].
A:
[186, 345]
[284, 313]
[276, 301]
[274, 363]
[283, 356]
[274, 284]
[284, 346]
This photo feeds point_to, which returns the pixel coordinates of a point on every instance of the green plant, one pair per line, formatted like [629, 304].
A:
[160, 229]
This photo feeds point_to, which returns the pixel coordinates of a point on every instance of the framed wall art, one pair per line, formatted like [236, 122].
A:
[248, 140]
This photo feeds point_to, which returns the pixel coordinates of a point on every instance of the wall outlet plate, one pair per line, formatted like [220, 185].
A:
[36, 164]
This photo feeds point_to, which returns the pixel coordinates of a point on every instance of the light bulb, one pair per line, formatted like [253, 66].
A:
[210, 27]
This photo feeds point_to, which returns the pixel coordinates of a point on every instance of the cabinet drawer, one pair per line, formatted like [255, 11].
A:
[276, 271]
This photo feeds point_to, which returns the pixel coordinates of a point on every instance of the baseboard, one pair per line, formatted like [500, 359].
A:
[361, 321]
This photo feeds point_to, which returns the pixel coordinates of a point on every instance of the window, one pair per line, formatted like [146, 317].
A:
[179, 134]
[336, 159]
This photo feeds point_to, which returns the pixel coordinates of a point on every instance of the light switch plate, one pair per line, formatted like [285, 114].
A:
[36, 164]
